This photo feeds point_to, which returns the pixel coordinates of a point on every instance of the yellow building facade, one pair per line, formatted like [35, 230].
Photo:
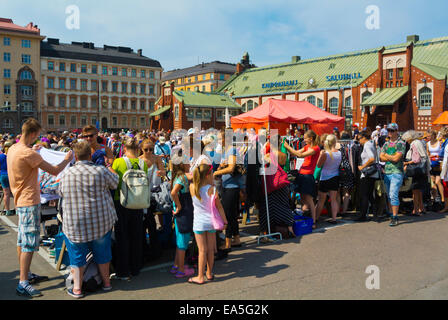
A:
[19, 74]
[205, 77]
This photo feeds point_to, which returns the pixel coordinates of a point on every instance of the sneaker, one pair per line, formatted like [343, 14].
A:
[188, 272]
[9, 213]
[109, 288]
[34, 278]
[28, 291]
[74, 295]
[393, 222]
[115, 277]
[173, 270]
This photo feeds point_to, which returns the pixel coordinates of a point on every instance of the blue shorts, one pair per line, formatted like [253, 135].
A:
[4, 181]
[182, 239]
[28, 236]
[202, 232]
[101, 248]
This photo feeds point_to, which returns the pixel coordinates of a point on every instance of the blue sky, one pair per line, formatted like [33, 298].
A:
[179, 33]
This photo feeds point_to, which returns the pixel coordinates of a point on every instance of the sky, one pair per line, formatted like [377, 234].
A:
[183, 33]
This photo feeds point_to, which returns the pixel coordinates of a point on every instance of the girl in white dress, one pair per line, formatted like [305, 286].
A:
[202, 190]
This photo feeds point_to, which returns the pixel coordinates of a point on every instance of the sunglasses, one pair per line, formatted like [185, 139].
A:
[88, 136]
[147, 150]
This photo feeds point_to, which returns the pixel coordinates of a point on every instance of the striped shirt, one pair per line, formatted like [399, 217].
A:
[87, 205]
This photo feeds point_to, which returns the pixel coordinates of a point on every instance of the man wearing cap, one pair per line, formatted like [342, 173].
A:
[162, 149]
[392, 154]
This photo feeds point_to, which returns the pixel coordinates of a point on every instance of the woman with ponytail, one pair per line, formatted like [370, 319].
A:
[329, 160]
[305, 182]
[202, 191]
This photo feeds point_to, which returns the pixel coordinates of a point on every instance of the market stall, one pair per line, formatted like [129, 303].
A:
[280, 114]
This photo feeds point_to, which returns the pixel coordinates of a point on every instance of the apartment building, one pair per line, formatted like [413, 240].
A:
[19, 74]
[204, 77]
[109, 87]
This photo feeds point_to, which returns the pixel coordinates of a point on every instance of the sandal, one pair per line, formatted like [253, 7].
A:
[211, 278]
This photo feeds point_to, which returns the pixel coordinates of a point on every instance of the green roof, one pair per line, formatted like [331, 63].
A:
[431, 56]
[206, 99]
[326, 73]
[159, 111]
[385, 97]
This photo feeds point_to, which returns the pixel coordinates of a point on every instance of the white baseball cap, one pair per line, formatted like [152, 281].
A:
[162, 139]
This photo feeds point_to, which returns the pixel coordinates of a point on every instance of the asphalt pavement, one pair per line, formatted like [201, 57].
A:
[351, 260]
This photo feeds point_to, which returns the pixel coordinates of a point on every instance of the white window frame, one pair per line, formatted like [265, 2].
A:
[425, 98]
[331, 107]
[311, 99]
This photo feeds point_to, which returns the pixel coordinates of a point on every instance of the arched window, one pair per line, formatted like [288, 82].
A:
[348, 106]
[312, 100]
[425, 97]
[320, 103]
[334, 104]
[366, 95]
[25, 74]
[250, 105]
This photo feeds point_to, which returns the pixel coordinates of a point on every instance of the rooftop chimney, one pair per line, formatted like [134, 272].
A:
[140, 52]
[53, 41]
[295, 59]
[413, 38]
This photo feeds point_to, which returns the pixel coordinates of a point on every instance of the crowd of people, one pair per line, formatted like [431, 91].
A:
[117, 182]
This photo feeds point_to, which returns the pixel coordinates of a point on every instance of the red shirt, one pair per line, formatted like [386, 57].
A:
[309, 165]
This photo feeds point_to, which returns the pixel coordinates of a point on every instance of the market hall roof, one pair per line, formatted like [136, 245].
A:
[386, 96]
[335, 71]
[205, 99]
[215, 66]
[87, 51]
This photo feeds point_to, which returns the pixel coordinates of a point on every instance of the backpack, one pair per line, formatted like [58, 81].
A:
[163, 198]
[135, 190]
[91, 280]
[442, 150]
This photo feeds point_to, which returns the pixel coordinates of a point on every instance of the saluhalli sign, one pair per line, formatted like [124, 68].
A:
[279, 84]
[345, 76]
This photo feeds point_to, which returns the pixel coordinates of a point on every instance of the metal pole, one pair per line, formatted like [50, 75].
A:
[269, 234]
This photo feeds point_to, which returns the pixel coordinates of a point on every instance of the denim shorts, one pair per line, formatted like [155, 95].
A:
[101, 248]
[28, 237]
[4, 181]
[393, 184]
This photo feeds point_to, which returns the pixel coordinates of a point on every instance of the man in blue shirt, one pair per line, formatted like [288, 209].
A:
[162, 149]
